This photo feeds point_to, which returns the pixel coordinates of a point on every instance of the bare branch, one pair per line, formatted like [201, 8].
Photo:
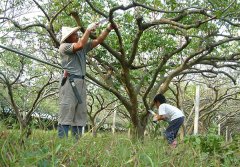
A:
[52, 35]
[40, 7]
[135, 46]
[38, 97]
[166, 57]
[209, 71]
[19, 73]
[116, 93]
[95, 9]
[58, 12]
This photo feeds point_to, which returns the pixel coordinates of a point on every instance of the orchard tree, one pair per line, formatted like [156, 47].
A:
[99, 103]
[25, 84]
[23, 92]
[219, 98]
[155, 41]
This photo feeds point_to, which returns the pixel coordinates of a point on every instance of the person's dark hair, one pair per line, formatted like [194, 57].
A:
[159, 98]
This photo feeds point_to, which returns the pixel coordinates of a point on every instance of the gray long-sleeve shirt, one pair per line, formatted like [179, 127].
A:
[74, 63]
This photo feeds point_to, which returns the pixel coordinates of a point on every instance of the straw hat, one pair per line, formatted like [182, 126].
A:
[67, 31]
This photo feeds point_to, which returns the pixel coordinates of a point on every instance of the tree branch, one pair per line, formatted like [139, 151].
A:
[135, 47]
[40, 7]
[95, 9]
[116, 93]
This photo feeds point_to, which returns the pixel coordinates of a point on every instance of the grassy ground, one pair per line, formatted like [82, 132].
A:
[44, 149]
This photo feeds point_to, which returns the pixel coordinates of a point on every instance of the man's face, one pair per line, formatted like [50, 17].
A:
[73, 38]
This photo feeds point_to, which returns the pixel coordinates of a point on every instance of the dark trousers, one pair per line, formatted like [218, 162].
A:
[63, 131]
[172, 129]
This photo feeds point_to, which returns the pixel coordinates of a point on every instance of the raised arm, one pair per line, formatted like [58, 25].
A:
[81, 42]
[102, 36]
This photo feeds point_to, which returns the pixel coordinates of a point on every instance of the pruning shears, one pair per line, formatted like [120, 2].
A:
[153, 113]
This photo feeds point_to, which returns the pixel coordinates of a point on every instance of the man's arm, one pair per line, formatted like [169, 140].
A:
[102, 36]
[82, 41]
[159, 117]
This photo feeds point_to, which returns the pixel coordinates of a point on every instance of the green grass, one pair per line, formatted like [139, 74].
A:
[44, 149]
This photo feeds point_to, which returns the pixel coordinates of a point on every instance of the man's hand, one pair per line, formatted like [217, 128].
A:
[112, 26]
[159, 117]
[92, 27]
[155, 118]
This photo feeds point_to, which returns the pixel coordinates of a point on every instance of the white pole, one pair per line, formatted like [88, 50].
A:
[114, 121]
[219, 125]
[197, 102]
[83, 130]
[226, 133]
[129, 132]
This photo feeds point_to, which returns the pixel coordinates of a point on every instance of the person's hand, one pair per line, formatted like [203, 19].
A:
[155, 118]
[92, 27]
[112, 26]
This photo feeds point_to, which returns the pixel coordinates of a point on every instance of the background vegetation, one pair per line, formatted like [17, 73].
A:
[43, 148]
[159, 47]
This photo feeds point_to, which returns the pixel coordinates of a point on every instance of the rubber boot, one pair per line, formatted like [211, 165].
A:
[63, 131]
[77, 131]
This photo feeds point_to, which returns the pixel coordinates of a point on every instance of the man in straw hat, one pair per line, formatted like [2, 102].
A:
[73, 50]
